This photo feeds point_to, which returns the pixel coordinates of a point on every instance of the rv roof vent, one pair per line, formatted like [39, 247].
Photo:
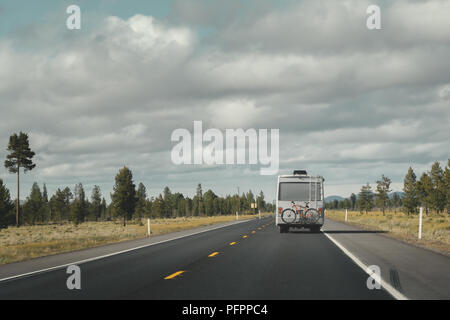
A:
[300, 172]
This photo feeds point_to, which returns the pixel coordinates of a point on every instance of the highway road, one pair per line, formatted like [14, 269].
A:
[249, 260]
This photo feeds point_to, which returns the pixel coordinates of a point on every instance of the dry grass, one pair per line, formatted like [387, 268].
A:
[27, 242]
[435, 228]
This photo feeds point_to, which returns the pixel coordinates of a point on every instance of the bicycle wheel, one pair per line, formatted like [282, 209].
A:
[288, 216]
[312, 216]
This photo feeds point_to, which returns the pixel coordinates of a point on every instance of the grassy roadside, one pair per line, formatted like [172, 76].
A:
[435, 228]
[27, 242]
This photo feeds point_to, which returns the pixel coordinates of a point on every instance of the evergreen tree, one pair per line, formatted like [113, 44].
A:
[34, 207]
[103, 209]
[141, 203]
[347, 203]
[78, 210]
[124, 194]
[208, 199]
[382, 193]
[20, 156]
[410, 200]
[96, 203]
[353, 200]
[260, 201]
[6, 206]
[158, 207]
[439, 191]
[365, 199]
[424, 189]
[188, 206]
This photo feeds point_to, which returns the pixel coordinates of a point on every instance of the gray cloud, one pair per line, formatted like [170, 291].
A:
[350, 104]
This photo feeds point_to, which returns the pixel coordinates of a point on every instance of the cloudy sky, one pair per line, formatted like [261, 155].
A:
[350, 103]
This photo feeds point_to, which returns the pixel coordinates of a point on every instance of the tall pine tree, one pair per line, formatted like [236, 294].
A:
[20, 156]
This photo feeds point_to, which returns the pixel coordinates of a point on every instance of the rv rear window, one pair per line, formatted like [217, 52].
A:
[299, 191]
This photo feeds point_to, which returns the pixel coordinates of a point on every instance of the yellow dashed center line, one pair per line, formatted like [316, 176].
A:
[173, 275]
[244, 236]
[253, 231]
[213, 254]
[232, 243]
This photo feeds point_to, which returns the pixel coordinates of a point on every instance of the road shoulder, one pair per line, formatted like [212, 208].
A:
[415, 272]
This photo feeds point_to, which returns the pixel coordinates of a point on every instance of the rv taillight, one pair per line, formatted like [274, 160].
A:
[280, 210]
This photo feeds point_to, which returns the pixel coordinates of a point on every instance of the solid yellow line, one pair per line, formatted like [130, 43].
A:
[213, 254]
[244, 236]
[232, 243]
[173, 275]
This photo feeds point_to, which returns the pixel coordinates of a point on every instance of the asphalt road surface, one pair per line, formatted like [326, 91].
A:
[250, 260]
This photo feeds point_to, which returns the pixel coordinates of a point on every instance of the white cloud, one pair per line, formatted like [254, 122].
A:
[349, 104]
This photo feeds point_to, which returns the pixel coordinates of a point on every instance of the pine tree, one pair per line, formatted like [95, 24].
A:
[141, 204]
[96, 203]
[20, 156]
[382, 193]
[34, 208]
[439, 191]
[424, 188]
[208, 200]
[78, 210]
[353, 200]
[158, 207]
[6, 206]
[124, 194]
[365, 198]
[410, 200]
[260, 202]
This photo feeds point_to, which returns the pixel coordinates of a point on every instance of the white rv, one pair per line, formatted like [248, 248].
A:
[300, 202]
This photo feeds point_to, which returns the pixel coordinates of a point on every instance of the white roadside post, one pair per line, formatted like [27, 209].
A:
[237, 216]
[148, 227]
[346, 215]
[420, 223]
[259, 214]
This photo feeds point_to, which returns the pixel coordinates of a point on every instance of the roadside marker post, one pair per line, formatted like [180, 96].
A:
[259, 214]
[420, 223]
[237, 216]
[346, 215]
[148, 227]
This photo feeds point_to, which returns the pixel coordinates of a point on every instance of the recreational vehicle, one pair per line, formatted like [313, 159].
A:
[300, 202]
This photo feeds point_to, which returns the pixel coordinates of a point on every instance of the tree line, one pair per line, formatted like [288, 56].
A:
[431, 191]
[127, 200]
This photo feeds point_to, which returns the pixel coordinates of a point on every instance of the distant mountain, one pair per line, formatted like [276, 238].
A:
[332, 198]
[399, 193]
[339, 198]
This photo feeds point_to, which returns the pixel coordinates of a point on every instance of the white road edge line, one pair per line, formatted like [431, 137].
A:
[385, 285]
[116, 253]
